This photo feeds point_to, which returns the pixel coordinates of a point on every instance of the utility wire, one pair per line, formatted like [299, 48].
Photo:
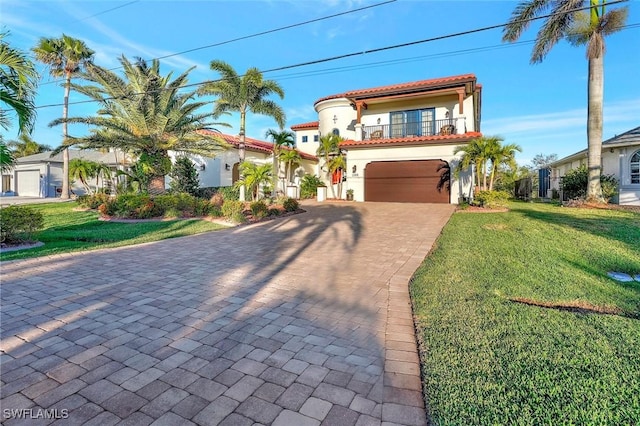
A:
[106, 11]
[233, 40]
[347, 55]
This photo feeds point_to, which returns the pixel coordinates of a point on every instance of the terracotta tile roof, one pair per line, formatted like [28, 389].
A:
[422, 84]
[310, 125]
[413, 140]
[255, 144]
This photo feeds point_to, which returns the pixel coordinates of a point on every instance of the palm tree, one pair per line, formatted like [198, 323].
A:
[146, 114]
[579, 28]
[500, 155]
[25, 145]
[252, 176]
[280, 140]
[329, 147]
[6, 157]
[247, 93]
[66, 57]
[476, 153]
[83, 170]
[338, 162]
[18, 83]
[289, 157]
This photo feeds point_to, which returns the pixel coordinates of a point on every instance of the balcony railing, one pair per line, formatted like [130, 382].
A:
[408, 129]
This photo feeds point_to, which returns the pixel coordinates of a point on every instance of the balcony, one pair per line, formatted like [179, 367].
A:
[448, 126]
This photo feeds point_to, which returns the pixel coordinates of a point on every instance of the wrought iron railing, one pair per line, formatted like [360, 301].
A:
[401, 130]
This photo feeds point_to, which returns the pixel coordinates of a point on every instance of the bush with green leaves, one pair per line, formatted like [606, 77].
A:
[273, 212]
[232, 210]
[290, 204]
[259, 209]
[574, 184]
[491, 199]
[19, 223]
[184, 177]
[93, 201]
[309, 186]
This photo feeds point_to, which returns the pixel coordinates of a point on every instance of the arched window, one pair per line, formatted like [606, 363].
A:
[336, 132]
[634, 166]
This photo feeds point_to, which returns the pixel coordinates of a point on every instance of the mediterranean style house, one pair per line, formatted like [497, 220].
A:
[620, 157]
[222, 170]
[400, 139]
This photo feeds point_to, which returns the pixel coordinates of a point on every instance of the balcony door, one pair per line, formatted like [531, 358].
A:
[414, 122]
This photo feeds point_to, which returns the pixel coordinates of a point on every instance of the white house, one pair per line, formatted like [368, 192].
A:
[40, 175]
[222, 170]
[620, 157]
[399, 139]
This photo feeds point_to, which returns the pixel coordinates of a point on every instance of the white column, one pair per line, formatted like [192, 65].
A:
[460, 125]
[358, 127]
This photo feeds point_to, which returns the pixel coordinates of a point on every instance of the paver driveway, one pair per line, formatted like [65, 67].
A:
[300, 321]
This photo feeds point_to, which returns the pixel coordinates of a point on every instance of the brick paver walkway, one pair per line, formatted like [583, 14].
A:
[301, 321]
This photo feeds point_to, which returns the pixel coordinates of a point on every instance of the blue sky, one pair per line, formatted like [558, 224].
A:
[540, 107]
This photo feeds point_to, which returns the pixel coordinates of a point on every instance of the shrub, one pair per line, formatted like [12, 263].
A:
[207, 192]
[172, 212]
[184, 176]
[18, 223]
[229, 193]
[290, 204]
[201, 207]
[215, 211]
[93, 201]
[609, 185]
[217, 199]
[575, 182]
[131, 205]
[491, 199]
[309, 185]
[274, 211]
[232, 209]
[259, 209]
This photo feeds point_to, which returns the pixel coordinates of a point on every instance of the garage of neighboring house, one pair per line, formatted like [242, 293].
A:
[411, 181]
[28, 183]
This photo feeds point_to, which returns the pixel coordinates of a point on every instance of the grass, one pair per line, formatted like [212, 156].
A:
[67, 230]
[519, 324]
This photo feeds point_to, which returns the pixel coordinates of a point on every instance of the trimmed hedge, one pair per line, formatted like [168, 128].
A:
[19, 223]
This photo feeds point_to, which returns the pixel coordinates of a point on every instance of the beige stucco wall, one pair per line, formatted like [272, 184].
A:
[309, 147]
[615, 161]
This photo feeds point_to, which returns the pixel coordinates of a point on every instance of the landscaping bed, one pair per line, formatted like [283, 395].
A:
[519, 323]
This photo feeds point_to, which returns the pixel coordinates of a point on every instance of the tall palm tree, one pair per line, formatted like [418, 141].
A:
[329, 148]
[282, 139]
[579, 28]
[146, 114]
[500, 155]
[242, 94]
[18, 83]
[66, 57]
[26, 145]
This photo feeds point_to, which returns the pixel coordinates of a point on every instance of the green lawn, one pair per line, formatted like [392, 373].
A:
[489, 360]
[67, 230]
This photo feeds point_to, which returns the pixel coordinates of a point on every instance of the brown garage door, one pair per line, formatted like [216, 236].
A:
[417, 181]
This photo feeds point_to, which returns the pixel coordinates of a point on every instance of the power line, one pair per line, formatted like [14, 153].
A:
[233, 40]
[106, 11]
[353, 54]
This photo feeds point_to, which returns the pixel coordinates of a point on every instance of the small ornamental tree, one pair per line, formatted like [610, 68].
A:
[184, 176]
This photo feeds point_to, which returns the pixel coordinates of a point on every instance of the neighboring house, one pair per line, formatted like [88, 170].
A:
[620, 157]
[399, 139]
[223, 169]
[40, 175]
